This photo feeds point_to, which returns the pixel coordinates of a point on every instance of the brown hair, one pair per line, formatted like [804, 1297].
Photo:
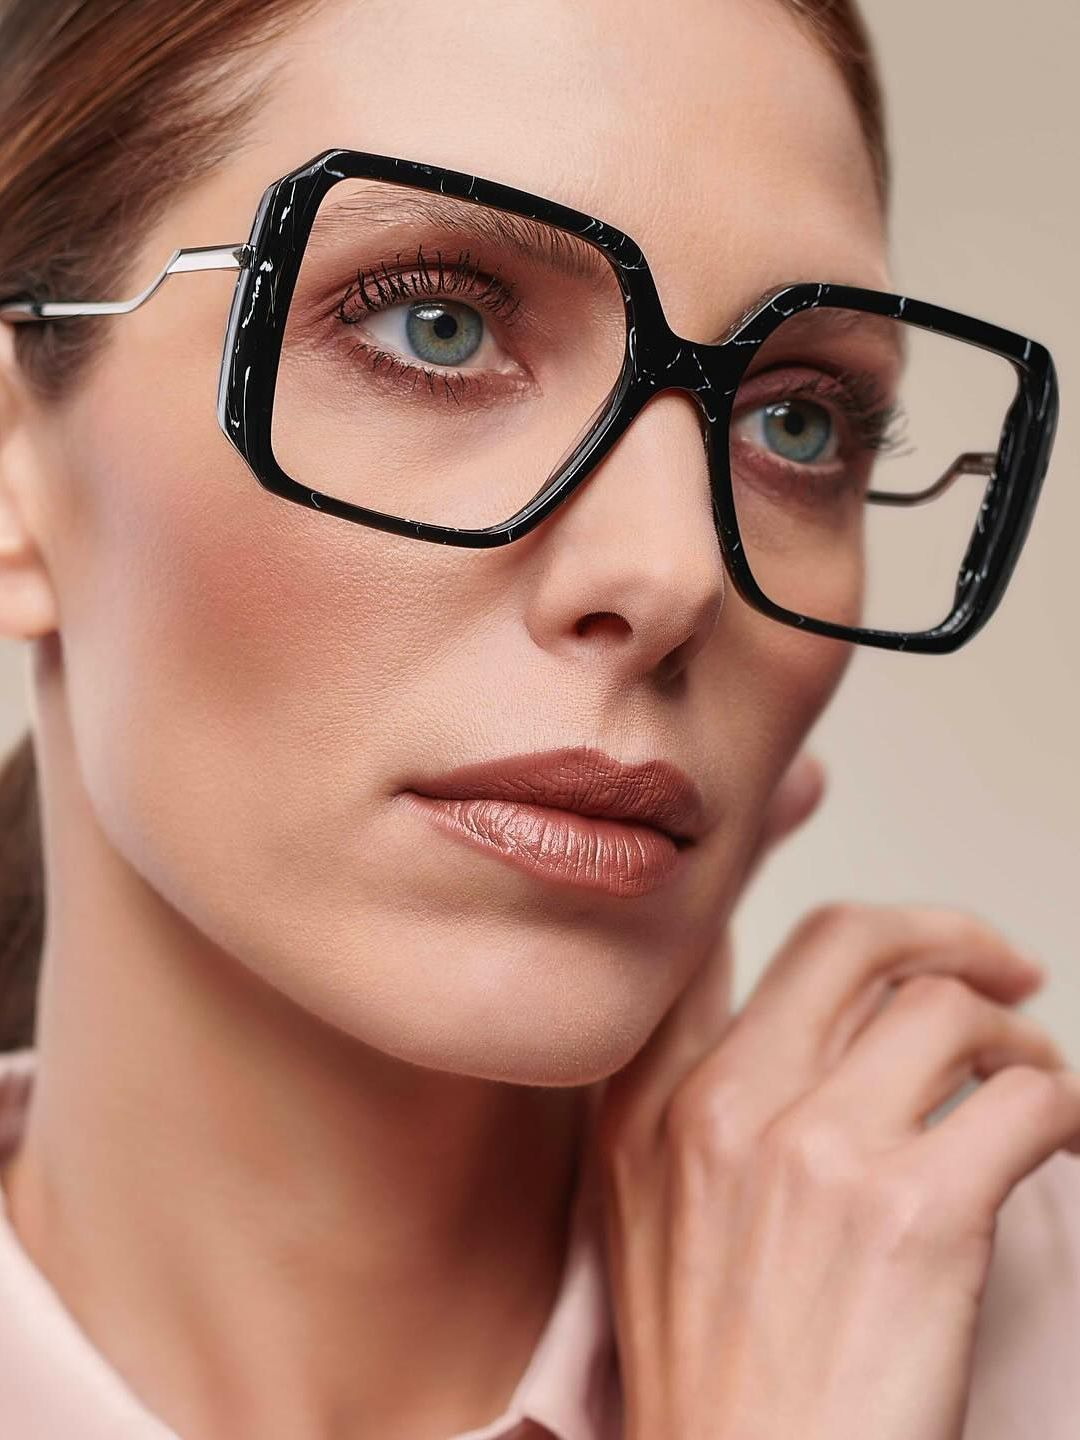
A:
[108, 107]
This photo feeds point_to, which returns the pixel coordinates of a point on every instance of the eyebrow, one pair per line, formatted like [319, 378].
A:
[567, 254]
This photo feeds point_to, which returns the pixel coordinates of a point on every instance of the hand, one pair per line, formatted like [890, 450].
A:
[791, 1250]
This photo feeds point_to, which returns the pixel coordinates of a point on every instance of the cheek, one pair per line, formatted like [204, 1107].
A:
[776, 681]
[235, 638]
[236, 668]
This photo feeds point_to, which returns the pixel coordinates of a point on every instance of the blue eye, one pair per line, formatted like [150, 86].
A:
[795, 430]
[443, 332]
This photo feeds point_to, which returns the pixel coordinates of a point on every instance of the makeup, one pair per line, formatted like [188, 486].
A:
[575, 816]
[621, 857]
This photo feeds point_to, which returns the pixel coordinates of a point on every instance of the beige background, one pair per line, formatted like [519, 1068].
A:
[953, 779]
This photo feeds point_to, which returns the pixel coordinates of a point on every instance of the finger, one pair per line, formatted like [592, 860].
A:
[934, 1034]
[839, 961]
[834, 972]
[1006, 1127]
[698, 1017]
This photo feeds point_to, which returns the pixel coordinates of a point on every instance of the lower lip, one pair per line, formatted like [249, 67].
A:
[583, 851]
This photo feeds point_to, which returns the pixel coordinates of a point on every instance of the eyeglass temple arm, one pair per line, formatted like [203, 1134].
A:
[194, 257]
[971, 463]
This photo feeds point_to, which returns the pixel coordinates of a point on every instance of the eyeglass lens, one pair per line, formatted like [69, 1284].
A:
[441, 358]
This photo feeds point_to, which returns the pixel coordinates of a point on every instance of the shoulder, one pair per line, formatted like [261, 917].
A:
[1026, 1369]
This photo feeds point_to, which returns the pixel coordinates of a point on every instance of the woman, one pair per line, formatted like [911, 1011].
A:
[306, 1141]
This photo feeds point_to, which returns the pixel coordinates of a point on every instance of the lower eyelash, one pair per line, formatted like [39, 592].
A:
[396, 365]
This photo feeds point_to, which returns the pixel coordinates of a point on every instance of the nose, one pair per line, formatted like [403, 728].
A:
[634, 566]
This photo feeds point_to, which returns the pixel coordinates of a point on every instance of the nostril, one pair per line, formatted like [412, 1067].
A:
[589, 623]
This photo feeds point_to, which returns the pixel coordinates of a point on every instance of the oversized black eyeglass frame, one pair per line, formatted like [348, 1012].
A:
[655, 359]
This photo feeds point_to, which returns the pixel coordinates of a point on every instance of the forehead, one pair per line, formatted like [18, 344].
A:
[717, 133]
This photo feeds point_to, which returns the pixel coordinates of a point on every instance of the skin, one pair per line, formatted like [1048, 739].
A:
[266, 1165]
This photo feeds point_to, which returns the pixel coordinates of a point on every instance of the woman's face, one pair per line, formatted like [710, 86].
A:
[251, 684]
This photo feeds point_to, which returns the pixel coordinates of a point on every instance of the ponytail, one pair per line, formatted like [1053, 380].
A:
[22, 895]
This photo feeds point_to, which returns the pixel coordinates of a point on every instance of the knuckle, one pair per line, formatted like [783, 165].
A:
[902, 1212]
[812, 1149]
[933, 990]
[963, 929]
[888, 1209]
[1038, 1090]
[708, 1115]
[832, 918]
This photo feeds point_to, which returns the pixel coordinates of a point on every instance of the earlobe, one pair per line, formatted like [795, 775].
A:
[27, 600]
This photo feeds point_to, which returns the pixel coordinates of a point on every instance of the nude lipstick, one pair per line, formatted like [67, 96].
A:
[575, 816]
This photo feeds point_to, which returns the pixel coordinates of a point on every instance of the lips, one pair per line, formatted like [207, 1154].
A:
[586, 782]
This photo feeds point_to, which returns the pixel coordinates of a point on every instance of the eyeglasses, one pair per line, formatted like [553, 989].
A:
[448, 358]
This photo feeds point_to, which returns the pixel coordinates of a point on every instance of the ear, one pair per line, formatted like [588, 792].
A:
[28, 605]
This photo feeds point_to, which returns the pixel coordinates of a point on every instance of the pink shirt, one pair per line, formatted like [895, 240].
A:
[1026, 1379]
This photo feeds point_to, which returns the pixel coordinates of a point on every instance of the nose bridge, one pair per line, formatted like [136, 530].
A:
[667, 364]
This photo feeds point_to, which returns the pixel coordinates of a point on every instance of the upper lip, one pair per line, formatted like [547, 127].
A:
[584, 780]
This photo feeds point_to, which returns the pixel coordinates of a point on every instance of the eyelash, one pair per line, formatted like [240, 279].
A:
[874, 418]
[462, 277]
[871, 415]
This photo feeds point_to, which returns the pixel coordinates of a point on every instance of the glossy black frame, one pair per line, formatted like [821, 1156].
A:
[655, 359]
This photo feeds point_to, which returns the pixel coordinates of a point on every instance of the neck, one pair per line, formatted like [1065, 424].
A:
[261, 1223]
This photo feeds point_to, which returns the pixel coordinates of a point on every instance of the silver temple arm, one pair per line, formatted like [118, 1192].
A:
[970, 463]
[193, 257]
